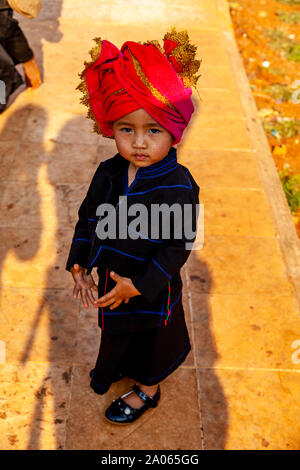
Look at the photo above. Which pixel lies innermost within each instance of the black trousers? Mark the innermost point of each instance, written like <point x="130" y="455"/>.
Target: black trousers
<point x="14" y="49"/>
<point x="147" y="356"/>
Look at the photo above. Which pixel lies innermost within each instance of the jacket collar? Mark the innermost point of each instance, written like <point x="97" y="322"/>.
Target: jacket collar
<point x="118" y="164"/>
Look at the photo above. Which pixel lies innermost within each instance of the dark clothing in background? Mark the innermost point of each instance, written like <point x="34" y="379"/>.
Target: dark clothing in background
<point x="14" y="49"/>
<point x="4" y="4"/>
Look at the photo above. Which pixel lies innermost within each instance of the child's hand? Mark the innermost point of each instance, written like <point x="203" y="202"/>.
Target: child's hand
<point x="32" y="73"/>
<point x="84" y="284"/>
<point x="122" y="291"/>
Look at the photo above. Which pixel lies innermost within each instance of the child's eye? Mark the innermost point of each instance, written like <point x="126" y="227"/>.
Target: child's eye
<point x="154" y="131"/>
<point x="125" y="129"/>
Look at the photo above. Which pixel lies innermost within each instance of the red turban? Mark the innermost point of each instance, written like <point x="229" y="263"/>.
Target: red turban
<point x="118" y="82"/>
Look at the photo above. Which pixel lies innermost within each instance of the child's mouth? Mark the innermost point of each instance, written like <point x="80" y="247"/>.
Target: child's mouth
<point x="139" y="156"/>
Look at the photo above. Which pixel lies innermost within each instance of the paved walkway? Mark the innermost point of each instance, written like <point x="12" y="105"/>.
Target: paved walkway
<point x="239" y="387"/>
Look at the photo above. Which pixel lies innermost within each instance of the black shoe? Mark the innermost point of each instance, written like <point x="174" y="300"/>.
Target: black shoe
<point x="120" y="412"/>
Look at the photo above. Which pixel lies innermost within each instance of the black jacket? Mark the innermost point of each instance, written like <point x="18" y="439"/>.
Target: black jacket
<point x="153" y="264"/>
<point x="12" y="38"/>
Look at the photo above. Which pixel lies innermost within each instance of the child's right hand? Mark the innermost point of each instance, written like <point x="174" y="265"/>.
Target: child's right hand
<point x="84" y="284"/>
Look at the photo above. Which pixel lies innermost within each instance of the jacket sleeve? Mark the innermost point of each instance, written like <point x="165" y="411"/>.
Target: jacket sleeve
<point x="80" y="246"/>
<point x="81" y="243"/>
<point x="168" y="260"/>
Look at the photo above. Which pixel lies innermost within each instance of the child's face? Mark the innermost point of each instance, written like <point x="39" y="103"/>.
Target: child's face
<point x="140" y="139"/>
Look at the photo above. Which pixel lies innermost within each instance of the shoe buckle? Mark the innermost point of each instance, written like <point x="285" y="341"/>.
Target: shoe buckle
<point x="126" y="394"/>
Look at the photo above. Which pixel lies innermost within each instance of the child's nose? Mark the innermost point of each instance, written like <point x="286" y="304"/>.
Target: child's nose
<point x="139" y="141"/>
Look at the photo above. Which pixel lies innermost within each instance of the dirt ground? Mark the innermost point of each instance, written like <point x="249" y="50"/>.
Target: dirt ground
<point x="268" y="37"/>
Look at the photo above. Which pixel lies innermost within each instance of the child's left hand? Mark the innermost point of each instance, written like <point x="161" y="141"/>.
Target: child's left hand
<point x="122" y="291"/>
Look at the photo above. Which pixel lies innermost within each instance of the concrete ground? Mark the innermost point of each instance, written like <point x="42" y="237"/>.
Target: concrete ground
<point x="239" y="386"/>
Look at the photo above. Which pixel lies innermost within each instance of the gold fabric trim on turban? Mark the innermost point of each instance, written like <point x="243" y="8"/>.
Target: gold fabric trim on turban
<point x="184" y="54"/>
<point x="148" y="84"/>
<point x="94" y="53"/>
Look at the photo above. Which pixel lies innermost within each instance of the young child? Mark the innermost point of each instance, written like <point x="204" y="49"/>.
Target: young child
<point x="140" y="96"/>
